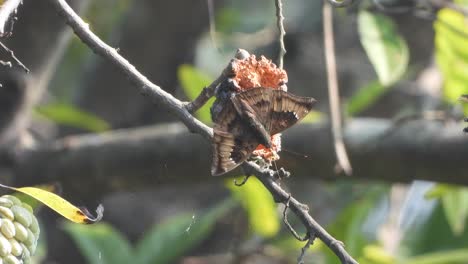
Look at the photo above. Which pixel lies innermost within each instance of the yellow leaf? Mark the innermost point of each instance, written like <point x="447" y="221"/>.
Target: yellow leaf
<point x="60" y="205"/>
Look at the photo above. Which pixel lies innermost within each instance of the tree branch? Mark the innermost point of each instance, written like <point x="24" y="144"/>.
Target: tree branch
<point x="282" y="32"/>
<point x="333" y="90"/>
<point x="417" y="149"/>
<point x="146" y="87"/>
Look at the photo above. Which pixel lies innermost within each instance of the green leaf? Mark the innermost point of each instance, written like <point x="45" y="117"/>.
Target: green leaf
<point x="443" y="257"/>
<point x="259" y="204"/>
<point x="455" y="203"/>
<point x="347" y="226"/>
<point x="386" y="49"/>
<point x="193" y="81"/>
<point x="451" y="30"/>
<point x="100" y="243"/>
<point x="66" y="114"/>
<point x="313" y="117"/>
<point x="169" y="240"/>
<point x="438" y="191"/>
<point x="375" y="254"/>
<point x="432" y="235"/>
<point x="365" y="97"/>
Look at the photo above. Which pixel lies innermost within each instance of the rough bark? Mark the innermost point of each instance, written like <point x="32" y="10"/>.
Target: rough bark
<point x="379" y="151"/>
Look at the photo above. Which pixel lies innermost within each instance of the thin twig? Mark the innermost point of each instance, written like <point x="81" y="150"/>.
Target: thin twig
<point x="333" y="92"/>
<point x="179" y="109"/>
<point x="280" y="195"/>
<point x="13" y="57"/>
<point x="238" y="184"/>
<point x="282" y="32"/>
<point x="300" y="259"/>
<point x="209" y="91"/>
<point x="289" y="226"/>
<point x="7" y="10"/>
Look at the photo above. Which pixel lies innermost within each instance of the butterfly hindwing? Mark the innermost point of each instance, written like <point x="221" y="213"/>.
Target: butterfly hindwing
<point x="233" y="141"/>
<point x="229" y="151"/>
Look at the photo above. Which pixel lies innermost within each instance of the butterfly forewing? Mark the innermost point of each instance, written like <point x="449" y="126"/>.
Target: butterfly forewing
<point x="277" y="110"/>
<point x="287" y="110"/>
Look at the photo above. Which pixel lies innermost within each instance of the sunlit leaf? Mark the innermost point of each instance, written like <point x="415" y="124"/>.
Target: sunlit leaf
<point x="437" y="191"/>
<point x="168" y="241"/>
<point x="59" y="205"/>
<point x="193" y="81"/>
<point x="386" y="49"/>
<point x="374" y="254"/>
<point x="66" y="114"/>
<point x="365" y="97"/>
<point x="101" y="243"/>
<point x="259" y="204"/>
<point x="455" y="203"/>
<point x="443" y="257"/>
<point x="53" y="188"/>
<point x="348" y="225"/>
<point x="313" y="117"/>
<point x="451" y="31"/>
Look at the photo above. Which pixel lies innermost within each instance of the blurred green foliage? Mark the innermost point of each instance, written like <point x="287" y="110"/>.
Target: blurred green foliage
<point x="364" y="97"/>
<point x="192" y="82"/>
<point x="164" y="243"/>
<point x="451" y="39"/>
<point x="386" y="49"/>
<point x="454" y="200"/>
<point x="67" y="114"/>
<point x="259" y="205"/>
<point x="388" y="53"/>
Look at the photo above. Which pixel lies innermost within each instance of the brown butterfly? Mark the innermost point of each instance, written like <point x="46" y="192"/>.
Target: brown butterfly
<point x="250" y="118"/>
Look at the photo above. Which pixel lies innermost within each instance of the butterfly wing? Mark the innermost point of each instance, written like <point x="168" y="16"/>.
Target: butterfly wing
<point x="233" y="141"/>
<point x="288" y="109"/>
<point x="275" y="109"/>
<point x="229" y="151"/>
<point x="249" y="117"/>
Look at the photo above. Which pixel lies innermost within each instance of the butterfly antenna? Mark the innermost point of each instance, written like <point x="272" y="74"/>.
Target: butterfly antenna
<point x="296" y="154"/>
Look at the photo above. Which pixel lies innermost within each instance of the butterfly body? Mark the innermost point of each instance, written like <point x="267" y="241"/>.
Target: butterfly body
<point x="249" y="118"/>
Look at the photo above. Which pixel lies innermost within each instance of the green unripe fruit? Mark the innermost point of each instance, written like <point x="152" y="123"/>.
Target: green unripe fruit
<point x="19" y="231"/>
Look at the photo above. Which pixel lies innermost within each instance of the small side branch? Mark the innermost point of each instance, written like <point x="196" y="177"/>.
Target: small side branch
<point x="7" y="13"/>
<point x="282" y="32"/>
<point x="13" y="57"/>
<point x="289" y="226"/>
<point x="333" y="92"/>
<point x="300" y="259"/>
<point x="209" y="91"/>
<point x="313" y="228"/>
